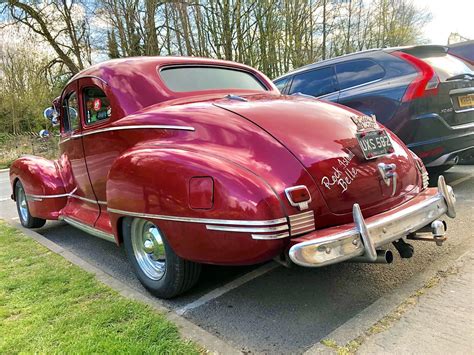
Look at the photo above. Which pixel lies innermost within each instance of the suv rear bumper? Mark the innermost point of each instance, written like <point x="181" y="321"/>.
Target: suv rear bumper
<point x="438" y="143"/>
<point x="340" y="243"/>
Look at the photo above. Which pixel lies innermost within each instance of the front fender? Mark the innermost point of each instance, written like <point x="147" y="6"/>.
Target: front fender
<point x="154" y="183"/>
<point x="43" y="185"/>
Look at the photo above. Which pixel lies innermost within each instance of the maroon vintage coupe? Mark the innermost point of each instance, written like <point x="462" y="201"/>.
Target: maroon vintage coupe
<point x="187" y="161"/>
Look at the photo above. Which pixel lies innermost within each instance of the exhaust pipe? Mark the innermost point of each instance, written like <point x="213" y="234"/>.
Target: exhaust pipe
<point x="383" y="257"/>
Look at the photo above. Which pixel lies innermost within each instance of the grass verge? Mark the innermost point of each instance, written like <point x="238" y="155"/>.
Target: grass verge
<point x="48" y="305"/>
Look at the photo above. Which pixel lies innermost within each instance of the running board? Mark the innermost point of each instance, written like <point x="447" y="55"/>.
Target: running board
<point x="88" y="229"/>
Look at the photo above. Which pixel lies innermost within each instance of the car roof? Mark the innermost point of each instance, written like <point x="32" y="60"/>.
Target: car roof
<point x="362" y="54"/>
<point x="147" y="66"/>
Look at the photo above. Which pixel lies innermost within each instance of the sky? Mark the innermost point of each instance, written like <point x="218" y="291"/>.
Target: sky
<point x="448" y="16"/>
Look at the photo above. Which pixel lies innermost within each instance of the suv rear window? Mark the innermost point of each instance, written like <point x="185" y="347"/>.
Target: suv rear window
<point x="186" y="79"/>
<point x="316" y="82"/>
<point x="446" y="65"/>
<point x="358" y="72"/>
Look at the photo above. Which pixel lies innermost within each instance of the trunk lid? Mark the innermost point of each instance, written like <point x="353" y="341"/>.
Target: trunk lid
<point x="455" y="99"/>
<point x="322" y="137"/>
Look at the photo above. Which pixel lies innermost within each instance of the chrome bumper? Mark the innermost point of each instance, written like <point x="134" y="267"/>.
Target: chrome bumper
<point x="338" y="244"/>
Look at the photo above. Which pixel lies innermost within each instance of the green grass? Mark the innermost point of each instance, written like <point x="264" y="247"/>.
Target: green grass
<point x="48" y="305"/>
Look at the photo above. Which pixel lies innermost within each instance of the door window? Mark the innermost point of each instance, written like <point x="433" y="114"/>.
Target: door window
<point x="97" y="105"/>
<point x="358" y="72"/>
<point x="281" y="83"/>
<point x="316" y="82"/>
<point x="71" y="113"/>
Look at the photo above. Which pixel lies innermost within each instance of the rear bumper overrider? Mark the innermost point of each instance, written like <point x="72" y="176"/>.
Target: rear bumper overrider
<point x="364" y="236"/>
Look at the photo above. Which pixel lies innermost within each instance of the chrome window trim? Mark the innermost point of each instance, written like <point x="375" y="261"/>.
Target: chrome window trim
<point x="200" y="220"/>
<point x="88" y="229"/>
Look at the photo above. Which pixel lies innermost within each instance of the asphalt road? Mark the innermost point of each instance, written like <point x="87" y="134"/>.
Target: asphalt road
<point x="279" y="310"/>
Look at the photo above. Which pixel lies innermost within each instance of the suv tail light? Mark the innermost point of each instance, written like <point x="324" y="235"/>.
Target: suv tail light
<point x="427" y="81"/>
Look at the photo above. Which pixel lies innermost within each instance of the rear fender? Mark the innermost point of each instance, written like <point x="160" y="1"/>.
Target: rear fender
<point x="43" y="185"/>
<point x="154" y="183"/>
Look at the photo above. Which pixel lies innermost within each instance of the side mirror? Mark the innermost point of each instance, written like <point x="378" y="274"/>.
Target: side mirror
<point x="51" y="114"/>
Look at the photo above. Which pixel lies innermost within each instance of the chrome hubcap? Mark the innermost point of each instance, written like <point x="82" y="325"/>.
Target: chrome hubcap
<point x="148" y="248"/>
<point x="22" y="205"/>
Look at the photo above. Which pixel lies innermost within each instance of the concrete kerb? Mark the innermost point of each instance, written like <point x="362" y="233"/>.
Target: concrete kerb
<point x="187" y="329"/>
<point x="357" y="325"/>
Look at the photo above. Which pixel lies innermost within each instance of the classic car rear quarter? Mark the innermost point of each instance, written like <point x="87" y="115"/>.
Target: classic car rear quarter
<point x="155" y="184"/>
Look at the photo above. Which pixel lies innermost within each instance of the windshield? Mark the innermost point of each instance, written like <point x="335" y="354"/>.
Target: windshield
<point x="185" y="79"/>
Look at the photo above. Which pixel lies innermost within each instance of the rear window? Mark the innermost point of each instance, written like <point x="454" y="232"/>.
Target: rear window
<point x="358" y="72"/>
<point x="446" y="65"/>
<point x="185" y="79"/>
<point x="316" y="82"/>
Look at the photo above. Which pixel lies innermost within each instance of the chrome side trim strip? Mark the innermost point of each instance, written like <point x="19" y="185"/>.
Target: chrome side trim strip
<point x="200" y="220"/>
<point x="83" y="199"/>
<point x="41" y="197"/>
<point x="89" y="200"/>
<point x="283" y="227"/>
<point x="88" y="229"/>
<point x="270" y="236"/>
<point x="120" y="128"/>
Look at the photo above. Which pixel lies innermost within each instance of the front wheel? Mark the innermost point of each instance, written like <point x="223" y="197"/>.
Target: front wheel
<point x="156" y="265"/>
<point x="26" y="219"/>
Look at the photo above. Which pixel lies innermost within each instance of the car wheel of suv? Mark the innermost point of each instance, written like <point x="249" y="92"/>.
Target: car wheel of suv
<point x="156" y="265"/>
<point x="26" y="219"/>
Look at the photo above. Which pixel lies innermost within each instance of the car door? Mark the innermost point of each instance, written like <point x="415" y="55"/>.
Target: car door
<point x="361" y="86"/>
<point x="101" y="147"/>
<point x="82" y="204"/>
<point x="320" y="83"/>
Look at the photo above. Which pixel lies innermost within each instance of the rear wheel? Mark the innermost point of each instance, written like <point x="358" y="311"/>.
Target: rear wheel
<point x="156" y="265"/>
<point x="26" y="219"/>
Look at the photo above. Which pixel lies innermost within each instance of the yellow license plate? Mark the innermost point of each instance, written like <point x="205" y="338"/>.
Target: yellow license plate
<point x="466" y="100"/>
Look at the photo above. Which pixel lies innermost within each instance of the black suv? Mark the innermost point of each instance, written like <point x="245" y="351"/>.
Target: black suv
<point x="422" y="93"/>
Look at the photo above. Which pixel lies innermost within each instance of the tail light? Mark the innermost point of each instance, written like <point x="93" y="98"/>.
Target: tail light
<point x="298" y="196"/>
<point x="427" y="81"/>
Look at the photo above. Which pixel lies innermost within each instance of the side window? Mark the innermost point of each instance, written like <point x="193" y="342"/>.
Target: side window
<point x="316" y="82"/>
<point x="358" y="72"/>
<point x="97" y="105"/>
<point x="71" y="113"/>
<point x="281" y="83"/>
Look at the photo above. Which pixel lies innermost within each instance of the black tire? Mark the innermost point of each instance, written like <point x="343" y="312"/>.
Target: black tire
<point x="26" y="219"/>
<point x="179" y="275"/>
